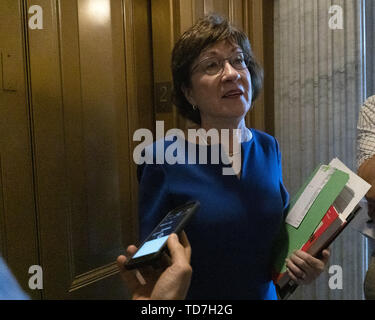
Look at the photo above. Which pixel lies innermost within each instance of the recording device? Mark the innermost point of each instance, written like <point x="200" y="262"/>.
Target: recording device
<point x="153" y="246"/>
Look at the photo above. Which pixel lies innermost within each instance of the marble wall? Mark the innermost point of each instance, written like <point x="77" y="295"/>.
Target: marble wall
<point x="319" y="88"/>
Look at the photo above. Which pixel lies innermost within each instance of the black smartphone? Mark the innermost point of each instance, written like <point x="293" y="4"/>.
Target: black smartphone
<point x="151" y="249"/>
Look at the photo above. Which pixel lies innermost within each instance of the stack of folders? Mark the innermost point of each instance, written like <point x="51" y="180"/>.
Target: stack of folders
<point x="319" y="212"/>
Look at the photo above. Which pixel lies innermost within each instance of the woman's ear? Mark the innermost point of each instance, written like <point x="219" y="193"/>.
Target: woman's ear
<point x="188" y="94"/>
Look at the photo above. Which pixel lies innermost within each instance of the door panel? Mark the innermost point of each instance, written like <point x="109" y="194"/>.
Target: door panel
<point x="82" y="150"/>
<point x="18" y="224"/>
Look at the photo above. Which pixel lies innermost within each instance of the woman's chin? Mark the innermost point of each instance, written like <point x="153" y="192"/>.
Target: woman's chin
<point x="236" y="110"/>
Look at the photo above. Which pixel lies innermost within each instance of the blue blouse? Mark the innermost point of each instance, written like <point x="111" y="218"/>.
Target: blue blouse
<point x="232" y="234"/>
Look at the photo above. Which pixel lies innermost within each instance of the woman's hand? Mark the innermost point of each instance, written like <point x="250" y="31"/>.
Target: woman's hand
<point x="303" y="268"/>
<point x="169" y="283"/>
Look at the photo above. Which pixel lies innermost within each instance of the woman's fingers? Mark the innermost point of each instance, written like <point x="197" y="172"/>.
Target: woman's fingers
<point x="326" y="253"/>
<point x="304" y="268"/>
<point x="314" y="265"/>
<point x="294" y="271"/>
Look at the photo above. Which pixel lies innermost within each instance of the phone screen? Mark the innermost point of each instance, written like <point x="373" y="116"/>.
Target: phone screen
<point x="159" y="237"/>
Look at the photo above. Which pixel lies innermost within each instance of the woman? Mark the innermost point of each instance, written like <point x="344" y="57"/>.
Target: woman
<point x="216" y="79"/>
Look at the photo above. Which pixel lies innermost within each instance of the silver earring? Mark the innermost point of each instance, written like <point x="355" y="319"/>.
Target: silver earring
<point x="195" y="107"/>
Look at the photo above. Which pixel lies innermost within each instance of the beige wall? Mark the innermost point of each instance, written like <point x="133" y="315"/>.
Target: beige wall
<point x="318" y="93"/>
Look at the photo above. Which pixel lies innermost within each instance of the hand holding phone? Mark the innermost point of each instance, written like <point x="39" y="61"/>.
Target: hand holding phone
<point x="170" y="283"/>
<point x="150" y="251"/>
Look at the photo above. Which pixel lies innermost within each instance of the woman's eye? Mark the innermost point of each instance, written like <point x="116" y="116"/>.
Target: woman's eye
<point x="212" y="64"/>
<point x="239" y="61"/>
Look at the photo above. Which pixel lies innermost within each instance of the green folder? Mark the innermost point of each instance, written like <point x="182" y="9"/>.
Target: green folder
<point x="291" y="238"/>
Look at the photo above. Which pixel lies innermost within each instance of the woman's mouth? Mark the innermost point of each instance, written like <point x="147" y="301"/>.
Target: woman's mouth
<point x="233" y="94"/>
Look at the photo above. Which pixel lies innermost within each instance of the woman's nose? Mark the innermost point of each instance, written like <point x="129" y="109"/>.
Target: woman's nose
<point x="229" y="72"/>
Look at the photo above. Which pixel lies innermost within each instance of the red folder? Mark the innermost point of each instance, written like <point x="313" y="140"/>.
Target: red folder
<point x="318" y="239"/>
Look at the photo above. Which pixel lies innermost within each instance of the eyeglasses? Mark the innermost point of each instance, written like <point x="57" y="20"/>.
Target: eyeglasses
<point x="213" y="66"/>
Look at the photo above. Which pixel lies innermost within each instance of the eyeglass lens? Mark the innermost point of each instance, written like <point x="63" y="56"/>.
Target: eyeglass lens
<point x="213" y="66"/>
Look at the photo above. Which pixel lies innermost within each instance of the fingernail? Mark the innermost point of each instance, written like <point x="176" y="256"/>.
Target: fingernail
<point x="173" y="236"/>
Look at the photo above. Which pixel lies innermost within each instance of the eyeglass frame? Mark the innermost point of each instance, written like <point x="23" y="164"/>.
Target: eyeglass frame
<point x="222" y="63"/>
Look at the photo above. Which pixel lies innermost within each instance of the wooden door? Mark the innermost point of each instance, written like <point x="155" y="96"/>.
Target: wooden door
<point x="79" y="117"/>
<point x="18" y="223"/>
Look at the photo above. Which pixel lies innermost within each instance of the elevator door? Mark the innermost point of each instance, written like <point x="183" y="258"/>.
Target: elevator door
<point x="67" y="193"/>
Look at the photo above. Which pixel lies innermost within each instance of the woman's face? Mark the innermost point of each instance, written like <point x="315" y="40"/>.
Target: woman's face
<point x="223" y="97"/>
